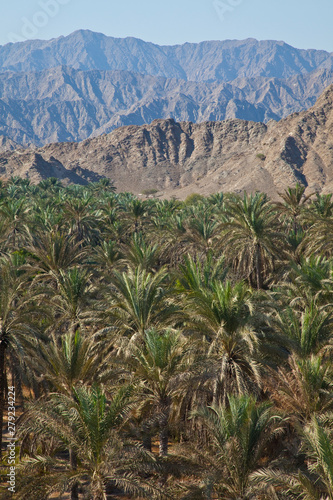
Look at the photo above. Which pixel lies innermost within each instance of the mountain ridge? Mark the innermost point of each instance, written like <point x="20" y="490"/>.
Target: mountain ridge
<point x="87" y="84"/>
<point x="64" y="104"/>
<point x="217" y="60"/>
<point x="180" y="158"/>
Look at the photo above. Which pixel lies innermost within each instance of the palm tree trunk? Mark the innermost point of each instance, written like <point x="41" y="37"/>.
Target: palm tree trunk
<point x="295" y="223"/>
<point x="2" y="388"/>
<point x="258" y="267"/>
<point x="164" y="430"/>
<point x="146" y="440"/>
<point x="73" y="463"/>
<point x="164" y="435"/>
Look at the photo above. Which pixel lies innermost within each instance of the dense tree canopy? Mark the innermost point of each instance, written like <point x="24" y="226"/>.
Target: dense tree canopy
<point x="166" y="349"/>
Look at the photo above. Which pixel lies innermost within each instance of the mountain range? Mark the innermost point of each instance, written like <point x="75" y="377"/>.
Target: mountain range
<point x="176" y="159"/>
<point x="87" y="84"/>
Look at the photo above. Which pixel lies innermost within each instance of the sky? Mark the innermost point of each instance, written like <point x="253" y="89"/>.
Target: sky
<point x="304" y="24"/>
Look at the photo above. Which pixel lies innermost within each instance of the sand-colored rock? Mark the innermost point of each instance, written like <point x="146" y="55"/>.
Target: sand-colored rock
<point x="179" y="158"/>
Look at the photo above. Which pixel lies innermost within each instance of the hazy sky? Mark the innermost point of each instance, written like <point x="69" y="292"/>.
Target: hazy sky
<point x="301" y="23"/>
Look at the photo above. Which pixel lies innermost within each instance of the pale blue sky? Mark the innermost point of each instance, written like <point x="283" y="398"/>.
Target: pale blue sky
<point x="301" y="23"/>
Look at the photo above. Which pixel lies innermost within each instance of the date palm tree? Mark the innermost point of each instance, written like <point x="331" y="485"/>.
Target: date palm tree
<point x="196" y="274"/>
<point x="136" y="215"/>
<point x="15" y="215"/>
<point x="202" y="229"/>
<point x="82" y="219"/>
<point x="294" y="204"/>
<point x="140" y="300"/>
<point x="222" y="316"/>
<point x="51" y="185"/>
<point x="239" y="436"/>
<point x="108" y="256"/>
<point x="142" y="254"/>
<point x="321" y="206"/>
<point x="89" y="425"/>
<point x="161" y="370"/>
<point x="309" y="281"/>
<point x="72" y="301"/>
<point x="251" y="238"/>
<point x="303" y="388"/>
<point x="305" y="333"/>
<point x="68" y="361"/>
<point x="319" y="240"/>
<point x="52" y="252"/>
<point x="17" y="326"/>
<point x="315" y="482"/>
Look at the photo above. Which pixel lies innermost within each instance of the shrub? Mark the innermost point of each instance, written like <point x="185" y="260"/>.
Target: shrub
<point x="147" y="192"/>
<point x="261" y="156"/>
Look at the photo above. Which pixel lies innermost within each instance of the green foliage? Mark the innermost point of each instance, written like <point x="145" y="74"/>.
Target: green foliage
<point x="261" y="156"/>
<point x="150" y="191"/>
<point x="121" y="317"/>
<point x="193" y="198"/>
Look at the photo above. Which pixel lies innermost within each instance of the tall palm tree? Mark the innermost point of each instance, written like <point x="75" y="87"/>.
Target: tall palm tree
<point x="294" y="204"/>
<point x="108" y="256"/>
<point x="45" y="216"/>
<point x="222" y="316"/>
<point x="161" y="369"/>
<point x="251" y="237"/>
<point x="305" y="333"/>
<point x="17" y="325"/>
<point x="135" y="215"/>
<point x="72" y="300"/>
<point x="15" y="214"/>
<point x="196" y="275"/>
<point x="82" y="219"/>
<point x="51" y="185"/>
<point x="89" y="425"/>
<point x="102" y="186"/>
<point x="68" y="361"/>
<point x="303" y="388"/>
<point x="309" y="281"/>
<point x="202" y="229"/>
<point x="319" y="240"/>
<point x="239" y="437"/>
<point x="321" y="206"/>
<point x="52" y="252"/>
<point x="175" y="237"/>
<point x="313" y="483"/>
<point x="142" y="254"/>
<point x="141" y="300"/>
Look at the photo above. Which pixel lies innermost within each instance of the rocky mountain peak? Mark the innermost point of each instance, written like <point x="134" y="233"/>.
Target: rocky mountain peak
<point x="177" y="158"/>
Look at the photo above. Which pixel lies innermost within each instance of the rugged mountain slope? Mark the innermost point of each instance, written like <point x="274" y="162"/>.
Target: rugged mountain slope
<point x="211" y="60"/>
<point x="80" y="86"/>
<point x="7" y="144"/>
<point x="63" y="104"/>
<point x="179" y="158"/>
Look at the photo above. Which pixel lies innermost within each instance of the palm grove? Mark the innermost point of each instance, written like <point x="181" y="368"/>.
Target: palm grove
<point x="166" y="349"/>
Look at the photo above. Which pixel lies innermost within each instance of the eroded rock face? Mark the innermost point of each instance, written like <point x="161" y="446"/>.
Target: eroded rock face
<point x="63" y="104"/>
<point x="80" y="86"/>
<point x="7" y="144"/>
<point x="179" y="158"/>
<point x="205" y="61"/>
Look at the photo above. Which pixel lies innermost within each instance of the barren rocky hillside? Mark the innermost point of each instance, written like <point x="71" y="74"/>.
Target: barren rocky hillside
<point x="179" y="158"/>
<point x="80" y="86"/>
<point x="205" y="61"/>
<point x="63" y="104"/>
